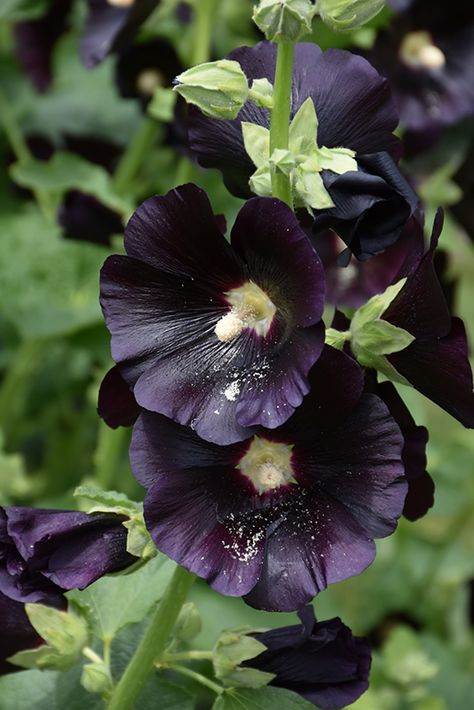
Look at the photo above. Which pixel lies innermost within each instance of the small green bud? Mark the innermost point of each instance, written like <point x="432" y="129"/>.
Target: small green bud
<point x="95" y="678"/>
<point x="189" y="623"/>
<point x="65" y="634"/>
<point x="284" y="19"/>
<point x="219" y="89"/>
<point x="348" y="15"/>
<point x="231" y="649"/>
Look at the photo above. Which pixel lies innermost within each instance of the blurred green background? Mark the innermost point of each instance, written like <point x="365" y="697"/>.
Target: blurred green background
<point x="416" y="600"/>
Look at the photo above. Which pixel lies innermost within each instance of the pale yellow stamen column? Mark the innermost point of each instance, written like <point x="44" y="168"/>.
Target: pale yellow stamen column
<point x="250" y="307"/>
<point x="267" y="464"/>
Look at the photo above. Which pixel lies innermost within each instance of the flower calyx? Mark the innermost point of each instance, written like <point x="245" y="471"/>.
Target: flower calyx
<point x="284" y="20"/>
<point x="233" y="648"/>
<point x="303" y="162"/>
<point x="348" y="15"/>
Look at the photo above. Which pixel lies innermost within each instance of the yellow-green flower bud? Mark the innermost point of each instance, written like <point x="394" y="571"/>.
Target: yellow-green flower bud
<point x="219" y="89"/>
<point x="348" y="15"/>
<point x="284" y="19"/>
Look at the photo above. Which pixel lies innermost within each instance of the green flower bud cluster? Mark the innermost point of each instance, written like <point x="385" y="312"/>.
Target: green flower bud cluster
<point x="284" y="20"/>
<point x="372" y="338"/>
<point x="348" y="15"/>
<point x="303" y="162"/>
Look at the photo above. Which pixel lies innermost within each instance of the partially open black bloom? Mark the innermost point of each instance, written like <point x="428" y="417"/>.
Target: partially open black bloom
<point x="218" y="337"/>
<point x="84" y="218"/>
<point x="35" y="41"/>
<point x="110" y="26"/>
<point x="17" y="632"/>
<point x="290" y="510"/>
<point x="354" y="284"/>
<point x="420" y="496"/>
<point x="116" y="404"/>
<point x="142" y="68"/>
<point x="436" y="363"/>
<point x="354" y="111"/>
<point x="428" y="55"/>
<point x="45" y="552"/>
<point x="321" y="661"/>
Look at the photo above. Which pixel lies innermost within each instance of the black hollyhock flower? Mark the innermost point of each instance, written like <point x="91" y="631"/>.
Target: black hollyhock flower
<point x="17" y="632"/>
<point x="218" y="337"/>
<point x="436" y="363"/>
<point x="354" y="284"/>
<point x="144" y="67"/>
<point x="44" y="552"/>
<point x="111" y="25"/>
<point x="428" y="55"/>
<point x="420" y="496"/>
<point x="321" y="661"/>
<point x="283" y="514"/>
<point x="35" y="41"/>
<point x="84" y="218"/>
<point x="354" y="110"/>
<point x="117" y="405"/>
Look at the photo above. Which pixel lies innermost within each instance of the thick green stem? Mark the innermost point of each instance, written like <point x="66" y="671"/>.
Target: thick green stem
<point x="135" y="154"/>
<point x="188" y="656"/>
<point x="280" y="117"/>
<point x="205" y="12"/>
<point x="153" y="643"/>
<point x="22" y="153"/>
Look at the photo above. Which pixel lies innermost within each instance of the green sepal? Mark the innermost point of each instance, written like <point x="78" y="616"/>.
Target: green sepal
<point x="65" y="634"/>
<point x="96" y="678"/>
<point x="337" y="338"/>
<point x="282" y="160"/>
<point x="139" y="542"/>
<point x="257" y="143"/>
<point x="261" y="93"/>
<point x="219" y="89"/>
<point x="162" y="104"/>
<point x="381" y="338"/>
<point x="284" y="20"/>
<point x="348" y="15"/>
<point x="231" y="649"/>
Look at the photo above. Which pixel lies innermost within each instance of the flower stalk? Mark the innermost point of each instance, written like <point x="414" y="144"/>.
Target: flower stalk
<point x="153" y="643"/>
<point x="280" y="117"/>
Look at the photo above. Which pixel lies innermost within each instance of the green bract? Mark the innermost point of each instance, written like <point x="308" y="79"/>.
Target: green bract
<point x="348" y="15"/>
<point x="65" y="633"/>
<point x="302" y="162"/>
<point x="284" y="19"/>
<point x="231" y="649"/>
<point x="219" y="89"/>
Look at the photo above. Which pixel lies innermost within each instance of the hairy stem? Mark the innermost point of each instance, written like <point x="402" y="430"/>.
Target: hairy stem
<point x="280" y="117"/>
<point x="153" y="643"/>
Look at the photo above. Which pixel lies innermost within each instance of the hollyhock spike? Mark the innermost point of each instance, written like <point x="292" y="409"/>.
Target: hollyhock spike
<point x="218" y="337"/>
<point x="44" y="552"/>
<point x="321" y="661"/>
<point x="277" y="517"/>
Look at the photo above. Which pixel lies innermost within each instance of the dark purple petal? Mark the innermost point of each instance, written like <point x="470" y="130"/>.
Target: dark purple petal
<point x="323" y="661"/>
<point x="439" y="368"/>
<point x="17" y="632"/>
<point x="372" y="205"/>
<point x="352" y="102"/>
<point x="71" y="549"/>
<point x="109" y="28"/>
<point x="420" y="496"/>
<point x="35" y="41"/>
<point x="84" y="218"/>
<point x="116" y="404"/>
<point x="420" y="307"/>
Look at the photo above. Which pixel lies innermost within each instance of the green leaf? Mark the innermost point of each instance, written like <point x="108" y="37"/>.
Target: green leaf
<point x="18" y="10"/>
<point x="381" y="338"/>
<point x="107" y="501"/>
<point x="45" y="690"/>
<point x="267" y="698"/>
<point x="49" y="284"/>
<point x="113" y="602"/>
<point x="67" y="171"/>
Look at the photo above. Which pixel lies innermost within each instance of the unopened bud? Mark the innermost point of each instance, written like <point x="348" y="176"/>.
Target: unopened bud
<point x="219" y="89"/>
<point x="95" y="678"/>
<point x="189" y="623"/>
<point x="284" y="19"/>
<point x="348" y="15"/>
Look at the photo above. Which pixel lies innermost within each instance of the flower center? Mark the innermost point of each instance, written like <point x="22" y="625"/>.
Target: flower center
<point x="250" y="307"/>
<point x="148" y="80"/>
<point x="121" y="3"/>
<point x="267" y="464"/>
<point x="418" y="51"/>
